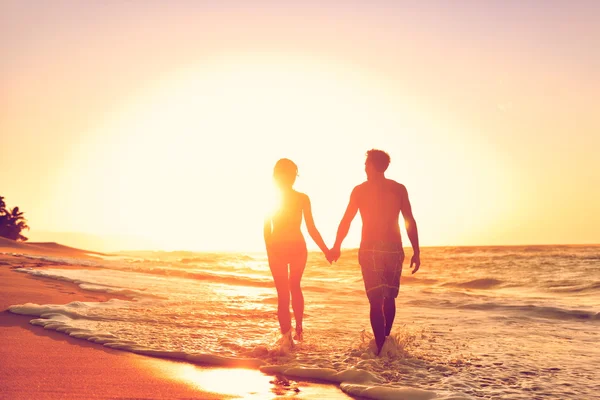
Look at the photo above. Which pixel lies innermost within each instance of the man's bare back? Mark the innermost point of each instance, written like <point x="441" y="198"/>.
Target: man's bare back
<point x="381" y="255"/>
<point x="380" y="203"/>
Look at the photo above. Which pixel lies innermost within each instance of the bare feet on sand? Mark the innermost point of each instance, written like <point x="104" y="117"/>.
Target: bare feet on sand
<point x="298" y="336"/>
<point x="286" y="342"/>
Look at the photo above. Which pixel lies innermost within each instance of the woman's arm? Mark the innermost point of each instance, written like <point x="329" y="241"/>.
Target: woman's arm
<point x="267" y="232"/>
<point x="344" y="226"/>
<point x="312" y="229"/>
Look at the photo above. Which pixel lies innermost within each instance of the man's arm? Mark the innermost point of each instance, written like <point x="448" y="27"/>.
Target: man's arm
<point x="344" y="227"/>
<point x="411" y="229"/>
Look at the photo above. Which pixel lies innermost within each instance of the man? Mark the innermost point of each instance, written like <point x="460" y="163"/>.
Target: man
<point x="380" y="201"/>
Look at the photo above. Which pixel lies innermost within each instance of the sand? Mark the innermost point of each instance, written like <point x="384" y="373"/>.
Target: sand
<point x="42" y="364"/>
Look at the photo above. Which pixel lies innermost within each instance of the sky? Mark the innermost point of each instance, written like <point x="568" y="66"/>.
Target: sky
<point x="158" y="124"/>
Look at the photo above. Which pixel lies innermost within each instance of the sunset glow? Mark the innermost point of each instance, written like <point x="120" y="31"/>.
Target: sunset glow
<point x="165" y="122"/>
<point x="295" y="199"/>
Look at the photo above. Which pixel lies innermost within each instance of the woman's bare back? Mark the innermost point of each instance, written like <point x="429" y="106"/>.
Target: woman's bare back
<point x="287" y="219"/>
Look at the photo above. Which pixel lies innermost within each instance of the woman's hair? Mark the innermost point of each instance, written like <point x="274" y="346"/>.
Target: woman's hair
<point x="285" y="172"/>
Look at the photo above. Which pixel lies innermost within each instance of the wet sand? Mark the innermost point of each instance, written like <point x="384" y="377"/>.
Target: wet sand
<point x="43" y="364"/>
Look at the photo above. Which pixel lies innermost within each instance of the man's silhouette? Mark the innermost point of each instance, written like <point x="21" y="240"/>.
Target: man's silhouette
<point x="380" y="201"/>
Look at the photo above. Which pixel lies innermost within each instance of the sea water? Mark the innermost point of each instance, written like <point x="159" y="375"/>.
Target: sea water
<point x="474" y="322"/>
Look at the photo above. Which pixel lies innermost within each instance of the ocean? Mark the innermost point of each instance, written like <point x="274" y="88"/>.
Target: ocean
<point x="475" y="322"/>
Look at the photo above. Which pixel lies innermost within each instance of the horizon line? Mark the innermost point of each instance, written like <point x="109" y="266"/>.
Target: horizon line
<point x="310" y="250"/>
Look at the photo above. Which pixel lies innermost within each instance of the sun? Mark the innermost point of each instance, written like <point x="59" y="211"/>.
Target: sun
<point x="188" y="162"/>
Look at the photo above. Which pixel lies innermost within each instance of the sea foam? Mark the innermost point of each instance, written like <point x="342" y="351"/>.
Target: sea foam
<point x="354" y="381"/>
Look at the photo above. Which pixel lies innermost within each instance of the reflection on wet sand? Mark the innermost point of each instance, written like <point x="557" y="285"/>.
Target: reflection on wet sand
<point x="241" y="383"/>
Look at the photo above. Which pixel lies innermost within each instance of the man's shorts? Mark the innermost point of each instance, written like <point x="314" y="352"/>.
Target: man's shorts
<point x="381" y="265"/>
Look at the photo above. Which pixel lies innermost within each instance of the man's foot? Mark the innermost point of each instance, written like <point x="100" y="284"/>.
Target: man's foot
<point x="372" y="347"/>
<point x="379" y="347"/>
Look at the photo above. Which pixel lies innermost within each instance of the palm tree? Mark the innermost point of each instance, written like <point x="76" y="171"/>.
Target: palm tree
<point x="18" y="224"/>
<point x="12" y="222"/>
<point x="3" y="215"/>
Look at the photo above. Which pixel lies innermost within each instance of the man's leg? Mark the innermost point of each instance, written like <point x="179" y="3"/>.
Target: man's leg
<point x="370" y="264"/>
<point x="377" y="320"/>
<point x="393" y="271"/>
<point x="389" y="311"/>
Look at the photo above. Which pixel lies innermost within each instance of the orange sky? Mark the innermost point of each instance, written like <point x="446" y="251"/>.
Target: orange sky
<point x="164" y="121"/>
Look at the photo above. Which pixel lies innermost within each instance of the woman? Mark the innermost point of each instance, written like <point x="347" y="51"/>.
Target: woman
<point x="286" y="246"/>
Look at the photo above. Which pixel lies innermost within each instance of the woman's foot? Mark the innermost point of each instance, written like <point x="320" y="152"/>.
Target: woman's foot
<point x="298" y="335"/>
<point x="286" y="342"/>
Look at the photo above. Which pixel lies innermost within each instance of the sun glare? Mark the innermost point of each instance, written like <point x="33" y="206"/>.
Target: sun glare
<point x="237" y="382"/>
<point x="247" y="383"/>
<point x="229" y="382"/>
<point x="204" y="142"/>
<point x="273" y="202"/>
<point x="187" y="163"/>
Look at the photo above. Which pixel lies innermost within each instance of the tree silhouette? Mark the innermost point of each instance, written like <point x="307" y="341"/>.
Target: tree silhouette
<point x="12" y="222"/>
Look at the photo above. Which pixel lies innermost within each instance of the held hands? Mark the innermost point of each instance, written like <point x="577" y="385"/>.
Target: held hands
<point x="328" y="257"/>
<point x="332" y="255"/>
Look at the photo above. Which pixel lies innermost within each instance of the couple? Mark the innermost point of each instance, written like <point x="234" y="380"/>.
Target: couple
<point x="380" y="201"/>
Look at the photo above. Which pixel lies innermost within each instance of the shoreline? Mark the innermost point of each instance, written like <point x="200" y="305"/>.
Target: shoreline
<point x="46" y="364"/>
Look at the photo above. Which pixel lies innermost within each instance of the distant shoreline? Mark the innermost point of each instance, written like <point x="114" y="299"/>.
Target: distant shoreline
<point x="54" y="248"/>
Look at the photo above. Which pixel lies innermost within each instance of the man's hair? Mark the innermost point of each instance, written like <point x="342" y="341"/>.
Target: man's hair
<point x="379" y="158"/>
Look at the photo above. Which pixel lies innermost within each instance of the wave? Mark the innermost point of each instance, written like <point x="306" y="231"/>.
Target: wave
<point x="60" y="318"/>
<point x="90" y="286"/>
<point x="63" y="260"/>
<point x="201" y="260"/>
<point x="224" y="278"/>
<point x="212" y="258"/>
<point x="361" y="383"/>
<point x="483" y="283"/>
<point x="253" y="280"/>
<point x="537" y="311"/>
<point x="416" y="280"/>
<point x="590" y="287"/>
<point x="240" y="280"/>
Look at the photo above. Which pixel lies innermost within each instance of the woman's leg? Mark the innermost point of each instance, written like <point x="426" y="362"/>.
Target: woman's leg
<point x="296" y="270"/>
<point x="279" y="270"/>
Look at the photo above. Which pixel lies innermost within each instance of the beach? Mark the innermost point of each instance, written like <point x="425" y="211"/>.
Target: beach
<point x="44" y="364"/>
<point x="476" y="323"/>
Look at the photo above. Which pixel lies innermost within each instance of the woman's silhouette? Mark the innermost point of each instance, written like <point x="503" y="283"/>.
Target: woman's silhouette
<point x="286" y="246"/>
